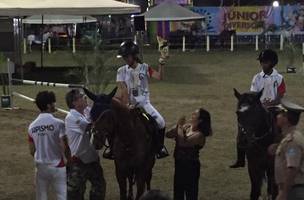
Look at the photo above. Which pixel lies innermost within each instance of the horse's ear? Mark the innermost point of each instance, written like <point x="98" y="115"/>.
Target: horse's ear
<point x="236" y="93"/>
<point x="92" y="96"/>
<point x="111" y="95"/>
<point x="259" y="95"/>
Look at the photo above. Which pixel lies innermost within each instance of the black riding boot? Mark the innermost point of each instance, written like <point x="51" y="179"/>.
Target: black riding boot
<point x="162" y="150"/>
<point x="108" y="153"/>
<point x="241" y="154"/>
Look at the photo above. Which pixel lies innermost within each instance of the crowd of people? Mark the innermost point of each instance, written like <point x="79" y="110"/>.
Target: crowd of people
<point x="66" y="158"/>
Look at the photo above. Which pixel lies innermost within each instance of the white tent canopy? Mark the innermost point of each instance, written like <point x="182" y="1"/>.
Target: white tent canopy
<point x="66" y="7"/>
<point x="58" y="19"/>
<point x="170" y="11"/>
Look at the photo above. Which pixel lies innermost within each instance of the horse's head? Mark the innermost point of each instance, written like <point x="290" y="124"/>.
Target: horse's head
<point x="249" y="108"/>
<point x="101" y="116"/>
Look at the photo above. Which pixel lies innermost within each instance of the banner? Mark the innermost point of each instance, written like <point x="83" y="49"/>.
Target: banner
<point x="246" y="20"/>
<point x="250" y="20"/>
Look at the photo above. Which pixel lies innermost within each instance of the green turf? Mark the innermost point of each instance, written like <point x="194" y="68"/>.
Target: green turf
<point x="192" y="80"/>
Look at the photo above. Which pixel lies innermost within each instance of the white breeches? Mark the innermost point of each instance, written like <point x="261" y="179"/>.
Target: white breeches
<point x="47" y="176"/>
<point x="155" y="114"/>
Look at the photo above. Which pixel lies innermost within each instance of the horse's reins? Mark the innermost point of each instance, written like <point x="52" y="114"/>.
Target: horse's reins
<point x="93" y="130"/>
<point x="255" y="139"/>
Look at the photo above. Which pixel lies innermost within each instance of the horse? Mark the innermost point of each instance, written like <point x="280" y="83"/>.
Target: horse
<point x="133" y="142"/>
<point x="258" y="131"/>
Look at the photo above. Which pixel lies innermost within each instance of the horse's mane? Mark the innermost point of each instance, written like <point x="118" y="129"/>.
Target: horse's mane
<point x="119" y="107"/>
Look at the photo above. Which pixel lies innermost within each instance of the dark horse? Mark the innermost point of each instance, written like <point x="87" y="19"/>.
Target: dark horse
<point x="256" y="134"/>
<point x="132" y="136"/>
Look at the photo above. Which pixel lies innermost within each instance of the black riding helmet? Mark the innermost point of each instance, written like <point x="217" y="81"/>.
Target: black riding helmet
<point x="268" y="55"/>
<point x="128" y="48"/>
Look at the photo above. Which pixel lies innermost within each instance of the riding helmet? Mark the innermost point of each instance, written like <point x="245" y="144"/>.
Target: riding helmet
<point x="269" y="55"/>
<point x="128" y="48"/>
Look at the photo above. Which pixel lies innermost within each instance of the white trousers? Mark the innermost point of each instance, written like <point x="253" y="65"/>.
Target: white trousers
<point x="155" y="114"/>
<point x="47" y="176"/>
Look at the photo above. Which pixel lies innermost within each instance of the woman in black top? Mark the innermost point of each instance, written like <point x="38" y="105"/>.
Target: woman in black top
<point x="190" y="139"/>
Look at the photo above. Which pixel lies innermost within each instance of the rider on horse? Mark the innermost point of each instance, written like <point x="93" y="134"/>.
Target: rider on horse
<point x="133" y="80"/>
<point x="273" y="86"/>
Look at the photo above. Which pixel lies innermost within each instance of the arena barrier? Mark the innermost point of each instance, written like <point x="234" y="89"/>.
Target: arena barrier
<point x="33" y="100"/>
<point x="50" y="84"/>
<point x="11" y="81"/>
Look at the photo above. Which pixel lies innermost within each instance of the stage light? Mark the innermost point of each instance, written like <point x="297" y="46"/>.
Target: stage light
<point x="275" y="4"/>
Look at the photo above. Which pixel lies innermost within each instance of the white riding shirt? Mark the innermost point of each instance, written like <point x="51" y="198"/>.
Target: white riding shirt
<point x="137" y="82"/>
<point x="79" y="140"/>
<point x="272" y="84"/>
<point x="45" y="132"/>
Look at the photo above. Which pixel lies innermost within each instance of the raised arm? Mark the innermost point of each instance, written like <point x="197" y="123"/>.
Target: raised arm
<point x="122" y="93"/>
<point x="158" y="74"/>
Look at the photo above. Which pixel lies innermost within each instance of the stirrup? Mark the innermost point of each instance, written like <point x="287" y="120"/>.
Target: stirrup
<point x="162" y="153"/>
<point x="108" y="154"/>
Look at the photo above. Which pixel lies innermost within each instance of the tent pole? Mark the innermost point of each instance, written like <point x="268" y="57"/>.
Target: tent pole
<point x="41" y="58"/>
<point x="17" y="42"/>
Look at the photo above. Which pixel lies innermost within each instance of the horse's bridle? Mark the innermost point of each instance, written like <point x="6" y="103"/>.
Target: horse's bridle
<point x="93" y="129"/>
<point x="253" y="138"/>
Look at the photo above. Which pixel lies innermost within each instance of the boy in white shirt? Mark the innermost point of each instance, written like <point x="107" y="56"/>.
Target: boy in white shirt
<point x="48" y="144"/>
<point x="272" y="83"/>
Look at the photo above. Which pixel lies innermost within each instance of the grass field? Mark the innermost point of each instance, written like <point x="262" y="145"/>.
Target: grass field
<point x="192" y="80"/>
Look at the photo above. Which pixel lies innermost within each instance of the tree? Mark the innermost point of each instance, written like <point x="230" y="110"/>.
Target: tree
<point x="96" y="75"/>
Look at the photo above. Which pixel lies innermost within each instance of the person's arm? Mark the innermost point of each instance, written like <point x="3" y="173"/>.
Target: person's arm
<point x="173" y="132"/>
<point x="272" y="149"/>
<point x="280" y="94"/>
<point x="293" y="157"/>
<point x="196" y="138"/>
<point x="289" y="181"/>
<point x="254" y="84"/>
<point x="32" y="147"/>
<point x="122" y="93"/>
<point x="157" y="74"/>
<point x="65" y="147"/>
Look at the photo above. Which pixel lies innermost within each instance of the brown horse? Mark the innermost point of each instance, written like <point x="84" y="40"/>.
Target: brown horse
<point x="132" y="136"/>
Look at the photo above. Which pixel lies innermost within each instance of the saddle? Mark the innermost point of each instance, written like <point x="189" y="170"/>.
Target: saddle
<point x="150" y="124"/>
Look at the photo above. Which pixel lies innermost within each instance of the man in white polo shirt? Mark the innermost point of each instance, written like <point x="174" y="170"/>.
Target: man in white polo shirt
<point x="84" y="165"/>
<point x="48" y="144"/>
<point x="272" y="83"/>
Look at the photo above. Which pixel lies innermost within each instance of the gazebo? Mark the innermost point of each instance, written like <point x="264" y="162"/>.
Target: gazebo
<point x="18" y="9"/>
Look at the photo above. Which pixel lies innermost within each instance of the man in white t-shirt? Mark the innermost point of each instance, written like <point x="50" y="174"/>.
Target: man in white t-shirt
<point x="48" y="144"/>
<point x="133" y="83"/>
<point x="84" y="165"/>
<point x="273" y="86"/>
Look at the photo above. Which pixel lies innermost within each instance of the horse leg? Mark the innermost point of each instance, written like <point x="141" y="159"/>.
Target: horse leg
<point x="130" y="193"/>
<point x="256" y="174"/>
<point x="148" y="181"/>
<point x="140" y="184"/>
<point x="122" y="182"/>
